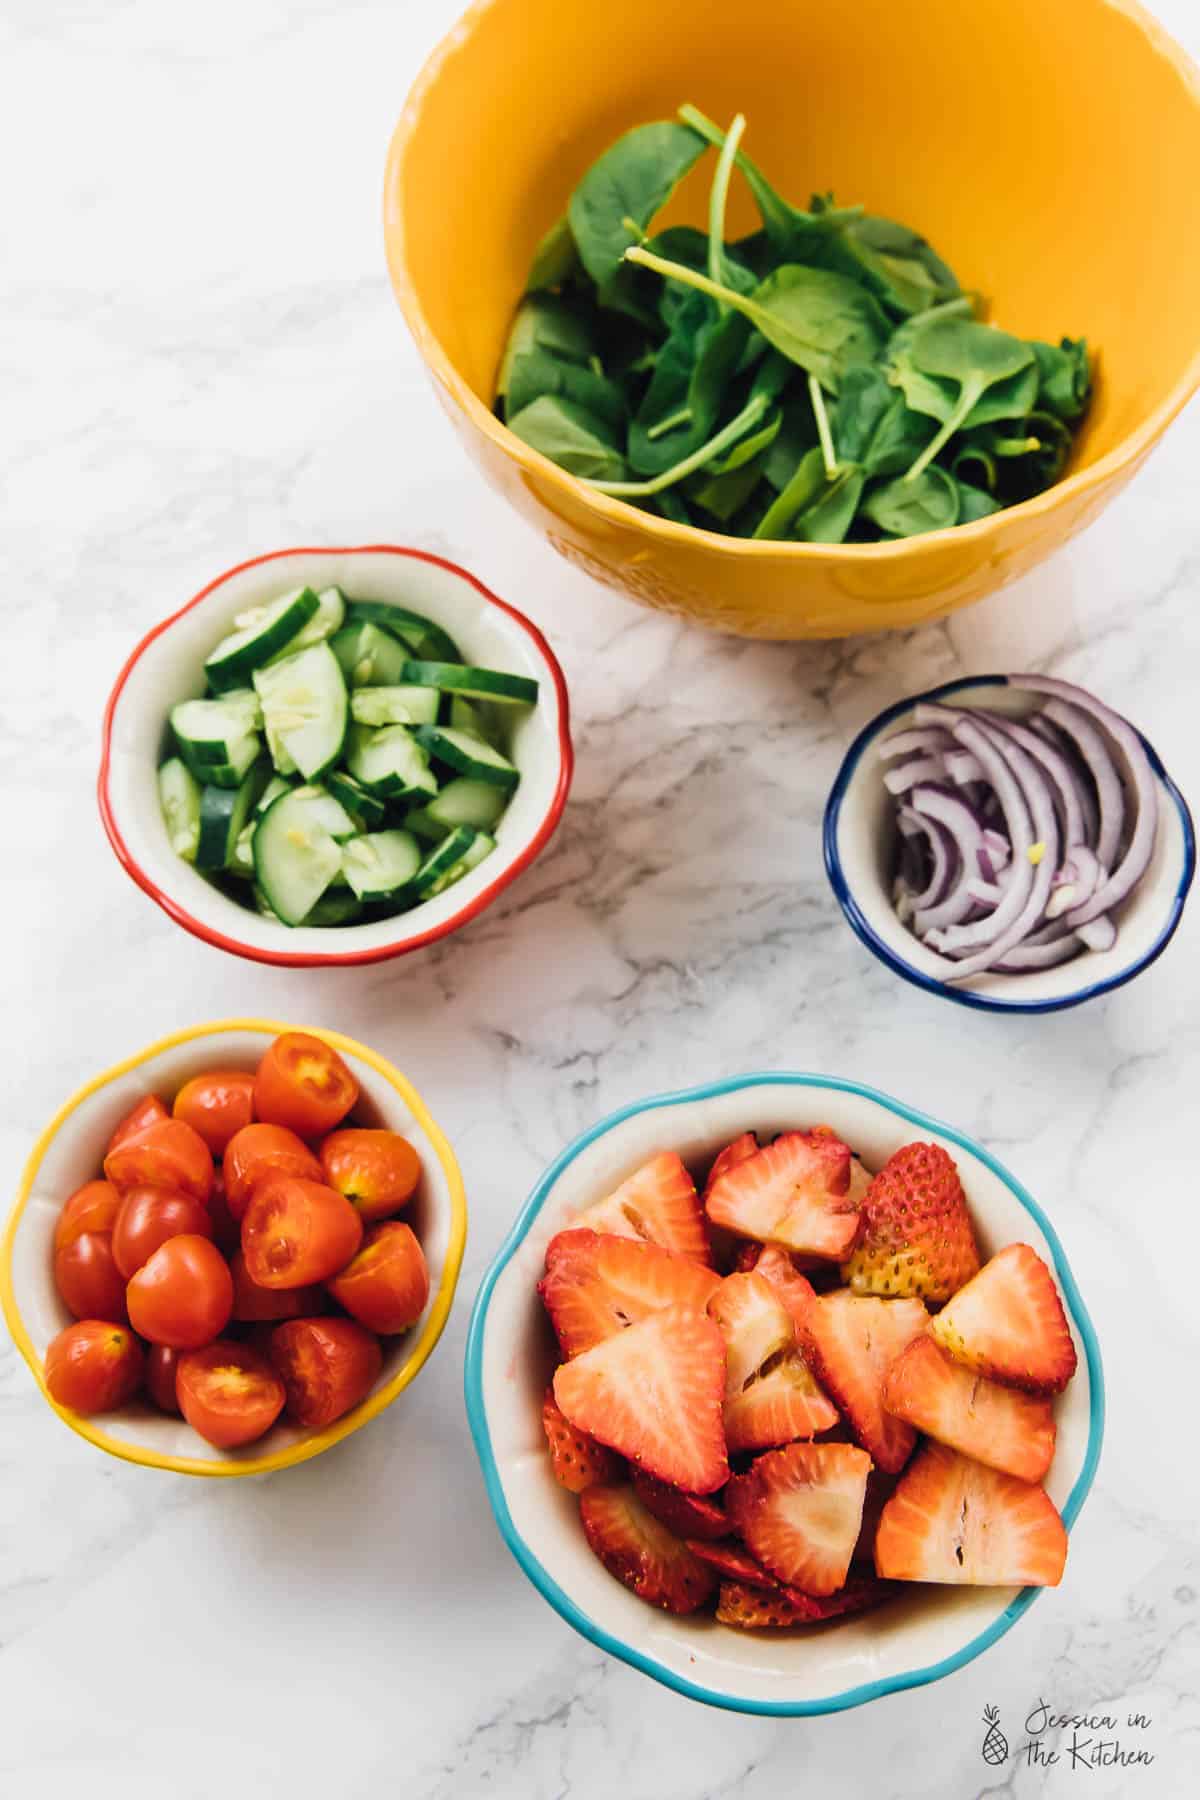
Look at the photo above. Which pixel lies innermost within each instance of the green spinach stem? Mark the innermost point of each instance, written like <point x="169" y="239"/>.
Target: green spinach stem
<point x="724" y="439"/>
<point x="719" y="197"/>
<point x="828" y="453"/>
<point x="672" y="420"/>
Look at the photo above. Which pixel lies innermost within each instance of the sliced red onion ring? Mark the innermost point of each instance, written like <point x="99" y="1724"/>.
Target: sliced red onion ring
<point x="1077" y="880"/>
<point x="1097" y="934"/>
<point x="933" y="740"/>
<point x="1027" y="956"/>
<point x="942" y="855"/>
<point x="1062" y="777"/>
<point x="962" y="767"/>
<point x="906" y="775"/>
<point x="952" y="812"/>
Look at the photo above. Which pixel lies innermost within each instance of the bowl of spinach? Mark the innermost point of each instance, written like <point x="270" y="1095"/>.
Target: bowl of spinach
<point x="776" y="411"/>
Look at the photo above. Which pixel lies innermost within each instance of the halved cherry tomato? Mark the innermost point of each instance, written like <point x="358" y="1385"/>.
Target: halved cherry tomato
<point x="327" y="1366"/>
<point x="229" y="1393"/>
<point x="161" y="1364"/>
<point x="216" y="1105"/>
<point x="296" y="1232"/>
<point x="93" y="1207"/>
<point x="88" y="1279"/>
<point x="252" y="1304"/>
<point x="227" y="1232"/>
<point x="303" y="1084"/>
<point x="386" y="1285"/>
<point x="168" y="1154"/>
<point x="147" y="1112"/>
<point x="378" y="1171"/>
<point x="258" y="1150"/>
<point x="183" y="1295"/>
<point x="148" y="1217"/>
<point x="94" y="1366"/>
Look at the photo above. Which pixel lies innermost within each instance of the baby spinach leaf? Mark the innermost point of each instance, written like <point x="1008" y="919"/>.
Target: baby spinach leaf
<point x="670" y="504"/>
<point x="790" y="229"/>
<point x="974" y="463"/>
<point x="544" y="322"/>
<point x="797" y="435"/>
<point x="974" y="504"/>
<point x="828" y="518"/>
<point x="1009" y="399"/>
<point x="539" y="372"/>
<point x="873" y="426"/>
<point x="911" y="505"/>
<point x="974" y="357"/>
<point x="749" y="448"/>
<point x="750" y="416"/>
<point x="725" y="494"/>
<point x="806" y="482"/>
<point x="633" y="180"/>
<point x="555" y="260"/>
<point x="683" y="401"/>
<point x="1064" y="377"/>
<point x="902" y="268"/>
<point x="576" y="440"/>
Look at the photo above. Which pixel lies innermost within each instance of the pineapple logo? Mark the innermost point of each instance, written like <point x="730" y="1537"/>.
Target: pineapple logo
<point x="995" y="1744"/>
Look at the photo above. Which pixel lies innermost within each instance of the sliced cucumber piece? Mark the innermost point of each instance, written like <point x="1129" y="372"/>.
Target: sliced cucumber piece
<point x="276" y="786"/>
<point x="475" y="683"/>
<point x="390" y="761"/>
<point x="483" y="845"/>
<point x="477" y="717"/>
<point x="368" y="656"/>
<point x="328" y="618"/>
<point x="367" y="810"/>
<point x="241" y="863"/>
<point x="296" y="856"/>
<point x="179" y="797"/>
<point x="394" y="705"/>
<point x="328" y="811"/>
<point x="337" y="906"/>
<point x="420" y="634"/>
<point x="418" y="821"/>
<point x="466" y="802"/>
<point x="237" y="656"/>
<point x="243" y="753"/>
<point x="468" y="755"/>
<point x="208" y="730"/>
<point x="380" y="863"/>
<point x="437" y="871"/>
<point x="223" y="816"/>
<point x="305" y="709"/>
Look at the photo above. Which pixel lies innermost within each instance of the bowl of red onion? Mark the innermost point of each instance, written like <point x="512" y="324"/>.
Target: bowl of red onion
<point x="1009" y="842"/>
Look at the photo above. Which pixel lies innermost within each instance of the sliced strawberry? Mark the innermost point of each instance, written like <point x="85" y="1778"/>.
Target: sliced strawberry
<point x="658" y="1204"/>
<point x="752" y="1610"/>
<point x="654" y="1393"/>
<point x="729" y="1158"/>
<point x="916" y="1233"/>
<point x="734" y="1562"/>
<point x="996" y="1425"/>
<point x="852" y="1341"/>
<point x="794" y="1193"/>
<point x="687" y="1515"/>
<point x="799" y="1510"/>
<point x="954" y="1520"/>
<point x="880" y="1488"/>
<point x="641" y="1552"/>
<point x="577" y="1460"/>
<point x="596" y="1285"/>
<point x="1009" y="1324"/>
<point x="755" y="1324"/>
<point x="794" y="1289"/>
<point x="771" y="1395"/>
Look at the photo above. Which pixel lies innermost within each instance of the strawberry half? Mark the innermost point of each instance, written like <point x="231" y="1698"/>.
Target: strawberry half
<point x="641" y="1552"/>
<point x="996" y="1425"/>
<point x="729" y="1158"/>
<point x="654" y="1393"/>
<point x="852" y="1341"/>
<point x="771" y="1396"/>
<point x="733" y="1562"/>
<point x="1009" y="1324"/>
<point x="596" y="1285"/>
<point x="916" y="1232"/>
<point x="794" y="1289"/>
<point x="794" y="1193"/>
<point x="799" y="1510"/>
<point x="687" y="1515"/>
<point x="658" y="1204"/>
<point x="953" y="1520"/>
<point x="753" y="1610"/>
<point x="577" y="1460"/>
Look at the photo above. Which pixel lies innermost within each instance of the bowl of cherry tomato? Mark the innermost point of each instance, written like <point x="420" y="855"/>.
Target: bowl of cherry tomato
<point x="234" y="1248"/>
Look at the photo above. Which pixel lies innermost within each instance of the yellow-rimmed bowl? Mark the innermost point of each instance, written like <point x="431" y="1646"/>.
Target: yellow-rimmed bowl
<point x="69" y="1152"/>
<point x="1048" y="150"/>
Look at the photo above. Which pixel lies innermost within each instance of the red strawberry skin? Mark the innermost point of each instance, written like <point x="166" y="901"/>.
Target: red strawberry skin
<point x="641" y="1552"/>
<point x="916" y="1236"/>
<point x="955" y="1521"/>
<point x="996" y="1425"/>
<point x="596" y="1284"/>
<point x="751" y="1609"/>
<point x="654" y="1393"/>
<point x="795" y="1192"/>
<point x="799" y="1511"/>
<point x="687" y="1515"/>
<point x="577" y="1460"/>
<point x="1008" y="1323"/>
<point x="733" y="1561"/>
<point x="778" y="1266"/>
<point x="729" y="1158"/>
<point x="657" y="1204"/>
<point x="853" y="1339"/>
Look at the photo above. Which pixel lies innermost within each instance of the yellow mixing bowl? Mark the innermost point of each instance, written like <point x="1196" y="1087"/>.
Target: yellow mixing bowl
<point x="1050" y="151"/>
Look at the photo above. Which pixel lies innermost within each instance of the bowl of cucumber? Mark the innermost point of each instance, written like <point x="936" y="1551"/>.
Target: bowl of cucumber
<point x="334" y="756"/>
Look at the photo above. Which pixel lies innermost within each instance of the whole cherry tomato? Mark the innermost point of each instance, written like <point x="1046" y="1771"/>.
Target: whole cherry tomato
<point x="183" y="1295"/>
<point x="229" y="1393"/>
<point x="148" y="1217"/>
<point x="386" y="1285"/>
<point x="378" y="1171"/>
<point x="297" y="1232"/>
<point x="252" y="1304"/>
<point x="227" y="1232"/>
<point x="303" y="1084"/>
<point x="259" y="1150"/>
<point x="168" y="1154"/>
<point x="161" y="1364"/>
<point x="93" y="1207"/>
<point x="94" y="1366"/>
<point x="147" y="1112"/>
<point x="327" y="1366"/>
<point x="216" y="1105"/>
<point x="88" y="1279"/>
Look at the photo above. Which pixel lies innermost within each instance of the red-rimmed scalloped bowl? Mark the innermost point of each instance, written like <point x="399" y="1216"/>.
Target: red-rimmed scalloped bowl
<point x="168" y="666"/>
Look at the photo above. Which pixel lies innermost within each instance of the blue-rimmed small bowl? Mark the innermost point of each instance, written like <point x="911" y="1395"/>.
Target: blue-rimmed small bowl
<point x="925" y="1634"/>
<point x="860" y="849"/>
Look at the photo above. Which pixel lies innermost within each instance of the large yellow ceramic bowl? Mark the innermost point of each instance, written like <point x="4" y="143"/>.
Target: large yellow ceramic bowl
<point x="1050" y="150"/>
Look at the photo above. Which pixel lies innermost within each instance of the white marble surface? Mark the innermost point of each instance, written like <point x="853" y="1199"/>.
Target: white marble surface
<point x="202" y="359"/>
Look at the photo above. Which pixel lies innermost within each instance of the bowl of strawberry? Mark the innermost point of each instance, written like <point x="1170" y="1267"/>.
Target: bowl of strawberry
<point x="784" y="1393"/>
<point x="234" y="1249"/>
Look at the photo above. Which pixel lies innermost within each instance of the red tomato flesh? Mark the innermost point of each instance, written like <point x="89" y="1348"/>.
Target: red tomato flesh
<point x="327" y="1366"/>
<point x="378" y="1171"/>
<point x="386" y="1285"/>
<point x="297" y="1232"/>
<point x="260" y="1150"/>
<point x="168" y="1154"/>
<point x="303" y="1084"/>
<point x="228" y="1393"/>
<point x="93" y="1207"/>
<point x="147" y="1112"/>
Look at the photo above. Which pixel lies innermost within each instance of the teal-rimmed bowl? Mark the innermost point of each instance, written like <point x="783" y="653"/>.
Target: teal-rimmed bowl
<point x="510" y="1354"/>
